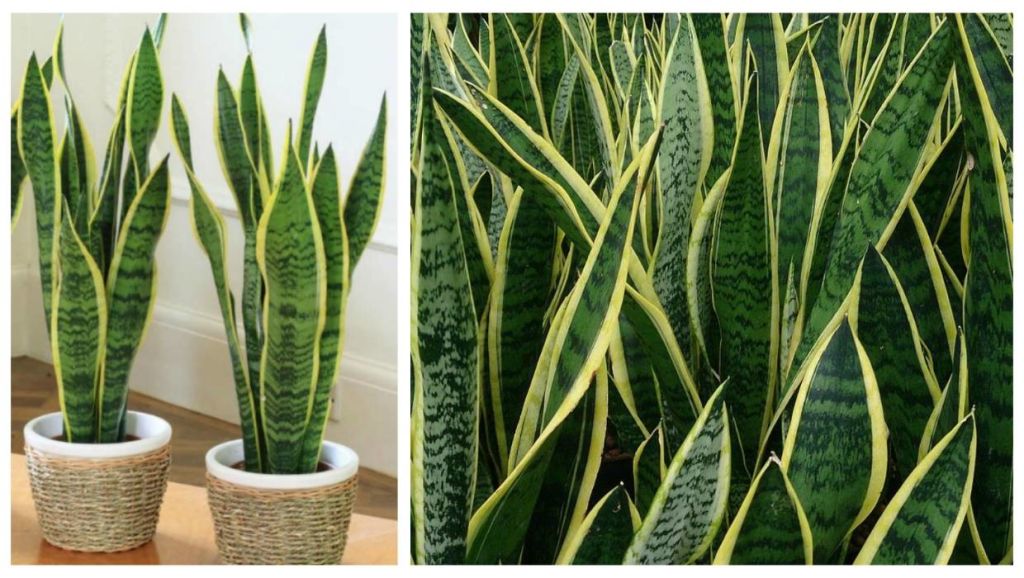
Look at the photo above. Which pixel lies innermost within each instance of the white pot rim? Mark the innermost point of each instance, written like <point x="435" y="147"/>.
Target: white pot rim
<point x="221" y="458"/>
<point x="153" y="433"/>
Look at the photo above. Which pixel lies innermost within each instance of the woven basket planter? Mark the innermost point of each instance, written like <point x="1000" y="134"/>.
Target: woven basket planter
<point x="98" y="497"/>
<point x="281" y="519"/>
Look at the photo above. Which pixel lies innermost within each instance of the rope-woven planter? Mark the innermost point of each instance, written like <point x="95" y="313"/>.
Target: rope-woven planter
<point x="98" y="497"/>
<point x="281" y="519"/>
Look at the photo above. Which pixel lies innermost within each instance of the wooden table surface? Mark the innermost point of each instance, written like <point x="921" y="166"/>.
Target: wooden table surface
<point x="183" y="536"/>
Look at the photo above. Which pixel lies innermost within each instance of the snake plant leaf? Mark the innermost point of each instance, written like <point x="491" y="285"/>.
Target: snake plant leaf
<point x="745" y="286"/>
<point x="888" y="333"/>
<point x="516" y="328"/>
<point x="365" y="196"/>
<point x="210" y="230"/>
<point x="648" y="470"/>
<point x="102" y="231"/>
<point x="888" y="65"/>
<point x="988" y="321"/>
<point x="466" y="56"/>
<point x="569" y="480"/>
<point x="835" y="451"/>
<point x="130" y="295"/>
<point x="511" y="79"/>
<point x="160" y="29"/>
<point x="78" y="169"/>
<point x="681" y="165"/>
<point x="249" y="112"/>
<point x="37" y="143"/>
<point x="951" y="406"/>
<point x="826" y="50"/>
<point x="691" y="502"/>
<point x="47" y="70"/>
<point x="710" y="33"/>
<point x="581" y="341"/>
<point x="445" y="341"/>
<point x="550" y="65"/>
<point x="984" y="54"/>
<point x="535" y="171"/>
<point x="145" y="99"/>
<point x="766" y="38"/>
<point x="325" y="195"/>
<point x="805" y="161"/>
<point x="79" y="333"/>
<point x="921" y="523"/>
<point x="605" y="533"/>
<point x="770" y="526"/>
<point x="315" y="75"/>
<point x="290" y="255"/>
<point x="881" y="176"/>
<point x="18" y="172"/>
<point x="231" y="147"/>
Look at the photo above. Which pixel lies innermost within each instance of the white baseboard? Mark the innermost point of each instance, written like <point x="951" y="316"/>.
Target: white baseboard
<point x="184" y="361"/>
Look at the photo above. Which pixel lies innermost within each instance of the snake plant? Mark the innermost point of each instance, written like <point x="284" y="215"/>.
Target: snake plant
<point x="712" y="288"/>
<point x="97" y="232"/>
<point x="302" y="242"/>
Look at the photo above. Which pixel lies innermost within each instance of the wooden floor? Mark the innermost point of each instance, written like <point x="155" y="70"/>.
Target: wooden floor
<point x="34" y="392"/>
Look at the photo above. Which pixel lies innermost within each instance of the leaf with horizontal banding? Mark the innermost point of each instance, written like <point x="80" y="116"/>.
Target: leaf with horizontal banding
<point x="145" y="100"/>
<point x="767" y="40"/>
<point x="605" y="533"/>
<point x="445" y="358"/>
<point x="988" y="322"/>
<point x="131" y="288"/>
<point x="79" y="334"/>
<point x="333" y="232"/>
<point x="921" y="523"/>
<point x="745" y="288"/>
<point x="315" y="74"/>
<point x="231" y="146"/>
<point x="290" y="255"/>
<point x="886" y="34"/>
<point x="465" y="53"/>
<point x="826" y="51"/>
<point x="522" y="279"/>
<point x="881" y="176"/>
<point x="770" y="526"/>
<point x="983" y="54"/>
<point x="210" y="230"/>
<point x="888" y="333"/>
<point x="951" y="406"/>
<point x="680" y="164"/>
<point x="579" y="346"/>
<point x="249" y="114"/>
<point x="690" y="504"/>
<point x="804" y="162"/>
<point x="18" y="171"/>
<point x="512" y="77"/>
<point x="37" y="142"/>
<point x="710" y="33"/>
<point x="835" y="450"/>
<point x="366" y="193"/>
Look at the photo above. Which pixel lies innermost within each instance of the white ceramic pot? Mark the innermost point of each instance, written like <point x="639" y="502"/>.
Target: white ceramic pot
<point x="98" y="497"/>
<point x="281" y="518"/>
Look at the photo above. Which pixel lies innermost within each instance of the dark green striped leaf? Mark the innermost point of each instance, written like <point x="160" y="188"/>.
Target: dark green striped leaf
<point x="835" y="453"/>
<point x="333" y="232"/>
<point x="690" y="504"/>
<point x="447" y="364"/>
<point x="145" y="100"/>
<point x="366" y="193"/>
<point x="770" y="526"/>
<point x="290" y="254"/>
<point x="921" y="523"/>
<point x="37" y="141"/>
<point x="311" y="95"/>
<point x="605" y="533"/>
<point x="131" y="287"/>
<point x="79" y="334"/>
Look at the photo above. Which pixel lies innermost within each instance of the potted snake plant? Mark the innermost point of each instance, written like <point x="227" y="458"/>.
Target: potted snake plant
<point x="281" y="493"/>
<point x="97" y="471"/>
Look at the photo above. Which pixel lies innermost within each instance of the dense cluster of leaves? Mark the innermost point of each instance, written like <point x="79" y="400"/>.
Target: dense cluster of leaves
<point x="302" y="242"/>
<point x="97" y="233"/>
<point x="712" y="288"/>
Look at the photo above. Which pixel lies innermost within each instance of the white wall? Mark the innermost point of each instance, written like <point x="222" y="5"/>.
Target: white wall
<point x="184" y="358"/>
